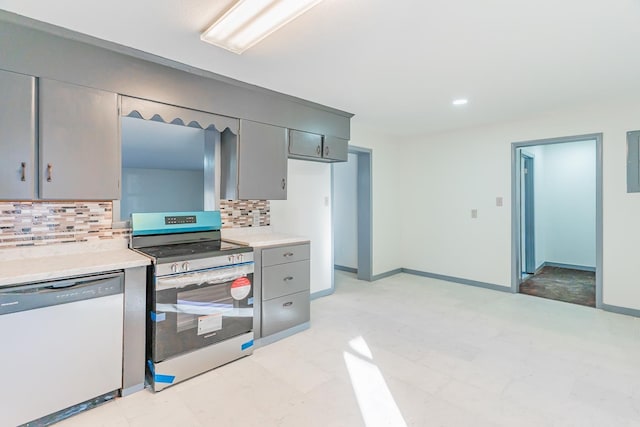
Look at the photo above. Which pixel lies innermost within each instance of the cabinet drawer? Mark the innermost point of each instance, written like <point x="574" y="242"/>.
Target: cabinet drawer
<point x="283" y="279"/>
<point x="282" y="254"/>
<point x="285" y="312"/>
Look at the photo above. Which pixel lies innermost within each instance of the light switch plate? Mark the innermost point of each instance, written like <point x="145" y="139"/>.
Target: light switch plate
<point x="474" y="213"/>
<point x="499" y="201"/>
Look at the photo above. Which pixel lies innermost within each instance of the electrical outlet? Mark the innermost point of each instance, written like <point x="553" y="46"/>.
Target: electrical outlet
<point x="474" y="213"/>
<point x="236" y="213"/>
<point x="256" y="218"/>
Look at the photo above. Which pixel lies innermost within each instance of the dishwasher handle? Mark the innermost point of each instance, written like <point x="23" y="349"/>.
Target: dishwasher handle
<point x="45" y="294"/>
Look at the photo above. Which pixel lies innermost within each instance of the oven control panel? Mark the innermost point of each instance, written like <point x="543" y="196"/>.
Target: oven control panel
<point x="183" y="219"/>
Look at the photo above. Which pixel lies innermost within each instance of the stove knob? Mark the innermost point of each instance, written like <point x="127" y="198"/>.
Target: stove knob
<point x="230" y="257"/>
<point x="185" y="266"/>
<point x="240" y="257"/>
<point x="174" y="268"/>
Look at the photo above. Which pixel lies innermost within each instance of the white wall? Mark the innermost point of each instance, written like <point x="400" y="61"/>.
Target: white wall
<point x="447" y="175"/>
<point x="387" y="201"/>
<point x="307" y="212"/>
<point x="161" y="190"/>
<point x="345" y="212"/>
<point x="565" y="203"/>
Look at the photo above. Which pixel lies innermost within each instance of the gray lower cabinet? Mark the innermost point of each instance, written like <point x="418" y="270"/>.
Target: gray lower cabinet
<point x="285" y="277"/>
<point x="79" y="142"/>
<point x="17" y="136"/>
<point x="320" y="148"/>
<point x="254" y="163"/>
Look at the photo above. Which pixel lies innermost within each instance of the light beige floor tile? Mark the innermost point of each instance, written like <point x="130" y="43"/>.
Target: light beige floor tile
<point x="414" y="351"/>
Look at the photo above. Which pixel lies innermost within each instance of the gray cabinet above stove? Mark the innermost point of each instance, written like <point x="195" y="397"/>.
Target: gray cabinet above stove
<point x="254" y="163"/>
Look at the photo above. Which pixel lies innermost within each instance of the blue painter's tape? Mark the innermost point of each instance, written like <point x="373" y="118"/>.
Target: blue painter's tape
<point x="158" y="317"/>
<point x="167" y="379"/>
<point x="247" y="345"/>
<point x="250" y="301"/>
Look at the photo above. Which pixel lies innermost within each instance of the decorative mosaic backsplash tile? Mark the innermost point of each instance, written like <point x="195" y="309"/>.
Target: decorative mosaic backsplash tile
<point x="42" y="223"/>
<point x="244" y="213"/>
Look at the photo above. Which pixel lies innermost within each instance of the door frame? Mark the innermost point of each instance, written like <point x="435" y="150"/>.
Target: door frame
<point x="529" y="212"/>
<point x="364" y="211"/>
<point x="516" y="262"/>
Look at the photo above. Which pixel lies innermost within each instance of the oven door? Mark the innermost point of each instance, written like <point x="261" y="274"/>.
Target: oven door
<point x="194" y="310"/>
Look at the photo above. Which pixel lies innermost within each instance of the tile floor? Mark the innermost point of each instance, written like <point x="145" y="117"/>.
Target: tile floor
<point x="408" y="350"/>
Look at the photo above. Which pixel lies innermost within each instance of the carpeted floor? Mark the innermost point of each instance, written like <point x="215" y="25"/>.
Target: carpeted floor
<point x="562" y="284"/>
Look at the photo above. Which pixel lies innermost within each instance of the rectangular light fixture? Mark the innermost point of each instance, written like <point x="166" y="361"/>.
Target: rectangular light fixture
<point x="247" y="22"/>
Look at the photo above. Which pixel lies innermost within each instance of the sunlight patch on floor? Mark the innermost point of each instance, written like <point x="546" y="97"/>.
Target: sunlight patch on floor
<point x="377" y="405"/>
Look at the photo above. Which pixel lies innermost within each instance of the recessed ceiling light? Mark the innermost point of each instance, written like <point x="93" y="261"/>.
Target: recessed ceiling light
<point x="249" y="21"/>
<point x="460" y="101"/>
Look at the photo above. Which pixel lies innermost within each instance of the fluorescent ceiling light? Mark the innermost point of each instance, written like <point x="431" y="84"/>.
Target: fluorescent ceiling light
<point x="460" y="101"/>
<point x="249" y="21"/>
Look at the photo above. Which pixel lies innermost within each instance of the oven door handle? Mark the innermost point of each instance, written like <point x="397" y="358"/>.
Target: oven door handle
<point x="204" y="278"/>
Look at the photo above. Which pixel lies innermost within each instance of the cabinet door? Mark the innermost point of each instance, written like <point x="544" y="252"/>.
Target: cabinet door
<point x="336" y="149"/>
<point x="79" y="142"/>
<point x="262" y="161"/>
<point x="304" y="144"/>
<point x="17" y="136"/>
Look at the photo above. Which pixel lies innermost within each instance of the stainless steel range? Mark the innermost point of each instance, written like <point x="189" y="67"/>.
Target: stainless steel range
<point x="199" y="295"/>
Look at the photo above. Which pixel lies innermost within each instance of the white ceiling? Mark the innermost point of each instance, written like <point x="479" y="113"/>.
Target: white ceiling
<point x="397" y="64"/>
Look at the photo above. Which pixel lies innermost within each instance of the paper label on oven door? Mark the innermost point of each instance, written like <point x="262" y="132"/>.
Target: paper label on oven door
<point x="240" y="288"/>
<point x="208" y="324"/>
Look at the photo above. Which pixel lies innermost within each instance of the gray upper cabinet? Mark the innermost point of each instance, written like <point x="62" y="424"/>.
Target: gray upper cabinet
<point x="304" y="144"/>
<point x="255" y="163"/>
<point x="79" y="142"/>
<point x="319" y="148"/>
<point x="17" y="136"/>
<point x="335" y="149"/>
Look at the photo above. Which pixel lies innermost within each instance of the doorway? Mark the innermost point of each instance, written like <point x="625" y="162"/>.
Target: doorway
<point x="352" y="213"/>
<point x="557" y="218"/>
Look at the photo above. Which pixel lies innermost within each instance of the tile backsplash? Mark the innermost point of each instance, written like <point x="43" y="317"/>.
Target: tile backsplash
<point x="245" y="213"/>
<point x="42" y="223"/>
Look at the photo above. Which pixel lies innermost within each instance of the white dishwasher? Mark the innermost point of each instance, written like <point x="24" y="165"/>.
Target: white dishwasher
<point x="61" y="345"/>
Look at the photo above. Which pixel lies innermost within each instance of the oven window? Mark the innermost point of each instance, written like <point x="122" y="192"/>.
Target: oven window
<point x="203" y="308"/>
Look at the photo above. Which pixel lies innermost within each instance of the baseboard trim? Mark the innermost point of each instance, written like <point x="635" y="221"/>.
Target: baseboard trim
<point x="386" y="274"/>
<point x="322" y="293"/>
<point x="347" y="269"/>
<point x="261" y="342"/>
<point x="621" y="310"/>
<point x="458" y="280"/>
<point x="570" y="266"/>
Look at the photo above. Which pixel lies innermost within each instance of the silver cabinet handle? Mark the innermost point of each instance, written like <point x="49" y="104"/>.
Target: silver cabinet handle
<point x="23" y="171"/>
<point x="288" y="304"/>
<point x="319" y="150"/>
<point x="326" y="150"/>
<point x="286" y="279"/>
<point x="287" y="254"/>
<point x="284" y="183"/>
<point x="49" y="172"/>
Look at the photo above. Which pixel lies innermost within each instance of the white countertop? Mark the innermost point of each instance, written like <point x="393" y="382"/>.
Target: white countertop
<point x="260" y="237"/>
<point x="32" y="264"/>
